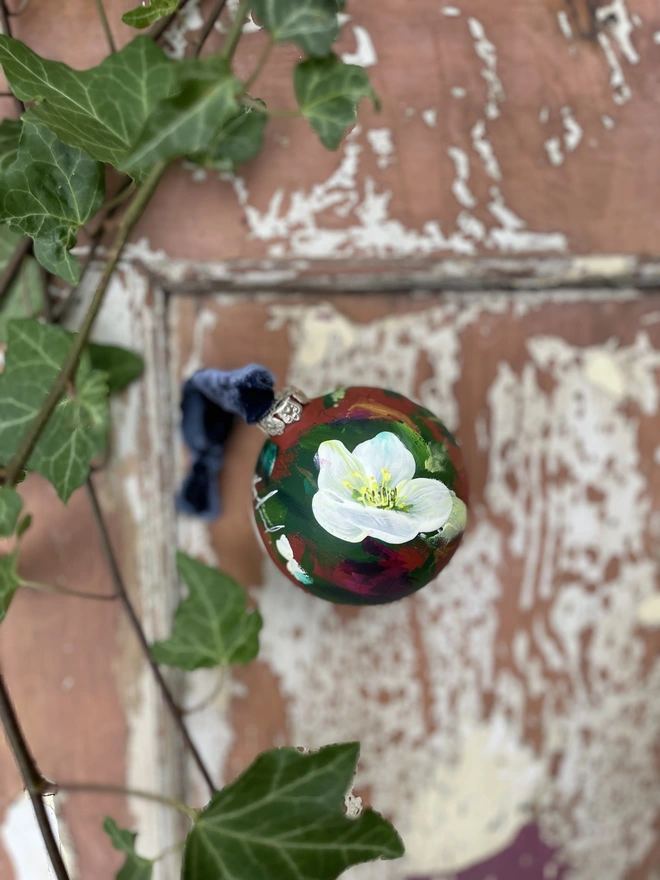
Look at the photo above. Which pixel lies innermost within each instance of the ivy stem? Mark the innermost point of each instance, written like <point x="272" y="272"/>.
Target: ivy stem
<point x="265" y="55"/>
<point x="247" y="101"/>
<point x="15" y="262"/>
<point x="35" y="783"/>
<point x="131" y="216"/>
<point x="176" y="847"/>
<point x="47" y="588"/>
<point x="120" y="198"/>
<point x="235" y="31"/>
<point x="119" y="791"/>
<point x="6" y="29"/>
<point x="208" y="25"/>
<point x="158" y="29"/>
<point x="106" y="25"/>
<point x="122" y="593"/>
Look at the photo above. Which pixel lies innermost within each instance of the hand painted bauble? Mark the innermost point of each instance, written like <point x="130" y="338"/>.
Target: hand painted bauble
<point x="360" y="496"/>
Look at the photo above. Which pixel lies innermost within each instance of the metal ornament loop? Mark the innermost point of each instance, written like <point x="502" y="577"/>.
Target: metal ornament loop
<point x="287" y="409"/>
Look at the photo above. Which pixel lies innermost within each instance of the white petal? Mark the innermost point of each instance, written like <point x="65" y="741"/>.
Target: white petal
<point x="430" y="502"/>
<point x="350" y="521"/>
<point x="340" y="471"/>
<point x="386" y="451"/>
<point x="284" y="547"/>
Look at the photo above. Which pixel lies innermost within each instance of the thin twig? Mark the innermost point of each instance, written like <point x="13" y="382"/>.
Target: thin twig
<point x="62" y="591"/>
<point x="106" y="25"/>
<point x="12" y="268"/>
<point x="236" y="30"/>
<point x="45" y="298"/>
<point x="265" y="55"/>
<point x="102" y="788"/>
<point x="130" y="218"/>
<point x="6" y="29"/>
<point x="35" y="783"/>
<point x="120" y="588"/>
<point x="214" y="15"/>
<point x="157" y="30"/>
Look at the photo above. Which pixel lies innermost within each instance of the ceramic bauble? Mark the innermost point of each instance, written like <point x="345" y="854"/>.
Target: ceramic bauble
<point x="360" y="495"/>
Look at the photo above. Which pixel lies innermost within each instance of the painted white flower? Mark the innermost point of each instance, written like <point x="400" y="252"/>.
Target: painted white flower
<point x="372" y="491"/>
<point x="286" y="552"/>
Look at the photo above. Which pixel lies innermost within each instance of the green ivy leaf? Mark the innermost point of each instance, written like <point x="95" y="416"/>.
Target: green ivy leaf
<point x="11" y="505"/>
<point x="143" y="16"/>
<point x="212" y="626"/>
<point x="25" y="296"/>
<point x="328" y="92"/>
<point x="121" y="367"/>
<point x="135" y="867"/>
<point x="9" y="582"/>
<point x="48" y="193"/>
<point x="24" y="525"/>
<point x="239" y="140"/>
<point x="10" y="135"/>
<point x="77" y="430"/>
<point x="189" y="121"/>
<point x="284" y="817"/>
<point x="312" y="24"/>
<point x="102" y="110"/>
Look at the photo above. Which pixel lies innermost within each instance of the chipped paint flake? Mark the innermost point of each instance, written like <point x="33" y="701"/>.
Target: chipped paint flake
<point x="513" y="236"/>
<point x="607" y="121"/>
<point x="484" y="149"/>
<point x="380" y="141"/>
<point x="554" y="151"/>
<point x="458" y="92"/>
<point x="565" y="24"/>
<point x="365" y="52"/>
<point x="621" y="92"/>
<point x="488" y="54"/>
<point x="451" y="11"/>
<point x="648" y="613"/>
<point x="617" y="19"/>
<point x="544" y="115"/>
<point x="573" y="131"/>
<point x="430" y="117"/>
<point x="460" y="186"/>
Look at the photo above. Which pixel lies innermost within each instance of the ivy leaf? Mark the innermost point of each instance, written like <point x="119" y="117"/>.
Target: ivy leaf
<point x="25" y="297"/>
<point x="9" y="582"/>
<point x="24" y="525"/>
<point x="102" y="110"/>
<point x="11" y="505"/>
<point x="328" y="92"/>
<point x="135" y="867"/>
<point x="284" y="817"/>
<point x="121" y="367"/>
<point x="48" y="193"/>
<point x="77" y="430"/>
<point x="312" y="24"/>
<point x="10" y="135"/>
<point x="189" y="120"/>
<point x="143" y="16"/>
<point x="211" y="626"/>
<point x="239" y="140"/>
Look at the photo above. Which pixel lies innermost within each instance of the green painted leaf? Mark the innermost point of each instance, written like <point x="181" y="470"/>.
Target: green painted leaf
<point x="9" y="582"/>
<point x="11" y="505"/>
<point x="312" y="24"/>
<point x="328" y="92"/>
<point x="121" y="367"/>
<point x="24" y="298"/>
<point x="456" y="523"/>
<point x="143" y="16"/>
<point x="48" y="193"/>
<point x="102" y="110"/>
<point x="284" y="818"/>
<point x="239" y="140"/>
<point x="77" y="430"/>
<point x="189" y="121"/>
<point x="440" y="463"/>
<point x="135" y="867"/>
<point x="212" y="626"/>
<point x="10" y="135"/>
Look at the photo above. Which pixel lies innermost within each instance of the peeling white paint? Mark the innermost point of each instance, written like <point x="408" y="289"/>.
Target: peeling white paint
<point x="565" y="24"/>
<point x="430" y="117"/>
<point x="656" y="38"/>
<point x="603" y="371"/>
<point x="573" y="130"/>
<point x="23" y="842"/>
<point x="620" y="89"/>
<point x="451" y="11"/>
<point x="380" y="141"/>
<point x="488" y="54"/>
<point x="188" y="20"/>
<point x="513" y="236"/>
<point x="617" y="19"/>
<point x="484" y="149"/>
<point x="648" y="613"/>
<point x="365" y="52"/>
<point x="458" y="92"/>
<point x="460" y="186"/>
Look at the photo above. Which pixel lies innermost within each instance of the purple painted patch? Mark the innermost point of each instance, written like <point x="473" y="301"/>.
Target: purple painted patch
<point x="528" y="858"/>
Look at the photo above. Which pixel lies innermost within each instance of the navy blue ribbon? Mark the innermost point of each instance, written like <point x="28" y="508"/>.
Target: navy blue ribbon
<point x="211" y="401"/>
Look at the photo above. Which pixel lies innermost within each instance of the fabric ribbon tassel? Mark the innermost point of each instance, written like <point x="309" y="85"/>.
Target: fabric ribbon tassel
<point x="211" y="401"/>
